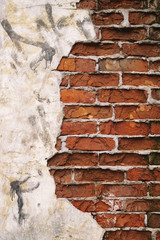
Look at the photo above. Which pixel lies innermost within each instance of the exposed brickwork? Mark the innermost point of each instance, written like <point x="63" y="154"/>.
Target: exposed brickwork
<point x="108" y="162"/>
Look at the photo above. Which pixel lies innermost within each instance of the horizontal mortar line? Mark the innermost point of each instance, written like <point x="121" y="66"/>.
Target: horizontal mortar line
<point x="88" y="135"/>
<point x="142" y="152"/>
<point x="108" y="120"/>
<point x="106" y="104"/>
<point x="99" y="167"/>
<point x="111" y="198"/>
<point x="132" y="228"/>
<point x="114" y="212"/>
<point x="123" y="87"/>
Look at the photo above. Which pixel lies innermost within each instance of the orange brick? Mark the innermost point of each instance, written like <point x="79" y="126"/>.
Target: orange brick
<point x="73" y="128"/>
<point x="138" y="18"/>
<point x="123" y="65"/>
<point x="139" y="144"/>
<point x="95" y="49"/>
<point x="73" y="191"/>
<point x="155" y="128"/>
<point x="77" y="96"/>
<point x="135" y="190"/>
<point x="158" y="236"/>
<point x="140" y="112"/>
<point x="154" y="189"/>
<point x="85" y="112"/>
<point x="155" y="66"/>
<point x="104" y="175"/>
<point x="122" y="96"/>
<point x="124" y="128"/>
<point x="124" y="34"/>
<point x="102" y="18"/>
<point x="89" y="4"/>
<point x="94" y="80"/>
<point x="107" y="220"/>
<point x="141" y="80"/>
<point x="95" y="144"/>
<point x="142" y="174"/>
<point x="61" y="176"/>
<point x="123" y="159"/>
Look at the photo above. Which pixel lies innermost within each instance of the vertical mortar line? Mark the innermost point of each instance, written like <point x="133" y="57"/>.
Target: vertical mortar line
<point x="96" y="5"/>
<point x="120" y="79"/>
<point x="69" y="81"/>
<point x="72" y="175"/>
<point x="145" y="220"/>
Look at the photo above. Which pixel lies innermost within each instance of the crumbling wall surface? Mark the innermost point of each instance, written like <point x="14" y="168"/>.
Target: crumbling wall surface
<point x="109" y="147"/>
<point x="34" y="36"/>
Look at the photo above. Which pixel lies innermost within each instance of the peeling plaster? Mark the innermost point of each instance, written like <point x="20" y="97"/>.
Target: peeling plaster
<point x="34" y="38"/>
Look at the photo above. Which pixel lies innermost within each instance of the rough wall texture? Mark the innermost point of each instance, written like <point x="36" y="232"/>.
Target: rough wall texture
<point x="109" y="147"/>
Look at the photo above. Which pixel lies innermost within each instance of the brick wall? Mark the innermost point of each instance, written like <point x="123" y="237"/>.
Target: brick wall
<point x="109" y="147"/>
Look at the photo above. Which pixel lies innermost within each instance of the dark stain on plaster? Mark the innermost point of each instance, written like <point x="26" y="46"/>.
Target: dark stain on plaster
<point x="16" y="189"/>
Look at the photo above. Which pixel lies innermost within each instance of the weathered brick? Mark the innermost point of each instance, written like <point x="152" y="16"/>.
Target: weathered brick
<point x="142" y="174"/>
<point x="155" y="66"/>
<point x="58" y="145"/>
<point x="125" y="65"/>
<point x="64" y="81"/>
<point x="128" y="235"/>
<point x="155" y="127"/>
<point x="143" y="50"/>
<point x="73" y="191"/>
<point x="84" y="205"/>
<point x="109" y="4"/>
<point x="124" y="128"/>
<point x="88" y="4"/>
<point x="155" y="33"/>
<point x="140" y="112"/>
<point x="73" y="128"/>
<point x="154" y="189"/>
<point x="158" y="236"/>
<point x="77" y="65"/>
<point x="123" y="159"/>
<point x="141" y="80"/>
<point x="156" y="94"/>
<point x="142" y="205"/>
<point x="94" y="80"/>
<point x="102" y="18"/>
<point x="75" y="159"/>
<point x="85" y="112"/>
<point x="155" y="158"/>
<point x="139" y="143"/>
<point x="107" y="220"/>
<point x="122" y="96"/>
<point x="77" y="96"/>
<point x="138" y="18"/>
<point x="95" y="144"/>
<point x="135" y="190"/>
<point x="104" y="175"/>
<point x="154" y="4"/>
<point x="61" y="176"/>
<point x="124" y="34"/>
<point x="153" y="220"/>
<point x="95" y="49"/>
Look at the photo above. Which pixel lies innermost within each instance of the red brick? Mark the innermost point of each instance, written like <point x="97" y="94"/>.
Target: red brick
<point x="141" y="80"/>
<point x="89" y="4"/>
<point x="75" y="159"/>
<point x="77" y="96"/>
<point x="75" y="128"/>
<point x="153" y="220"/>
<point x="139" y="143"/>
<point x="94" y="80"/>
<point x="155" y="66"/>
<point x="156" y="94"/>
<point x="155" y="33"/>
<point x="135" y="190"/>
<point x="124" y="128"/>
<point x="122" y="96"/>
<point x="137" y="112"/>
<point x="123" y="159"/>
<point x="154" y="189"/>
<point x="104" y="175"/>
<point x="155" y="158"/>
<point x="158" y="236"/>
<point x="142" y="205"/>
<point x="61" y="176"/>
<point x="102" y="18"/>
<point x="144" y="50"/>
<point x="125" y="65"/>
<point x="138" y="18"/>
<point x="124" y="34"/>
<point x="115" y="4"/>
<point x="77" y="65"/>
<point x="128" y="235"/>
<point x="58" y="145"/>
<point x="142" y="174"/>
<point x="107" y="220"/>
<point x="64" y="81"/>
<point x="95" y="49"/>
<point x="93" y="144"/>
<point x="85" y="112"/>
<point x="84" y="205"/>
<point x="155" y="128"/>
<point x="73" y="191"/>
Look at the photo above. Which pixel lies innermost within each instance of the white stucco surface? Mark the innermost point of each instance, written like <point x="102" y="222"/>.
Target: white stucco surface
<point x="35" y="35"/>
